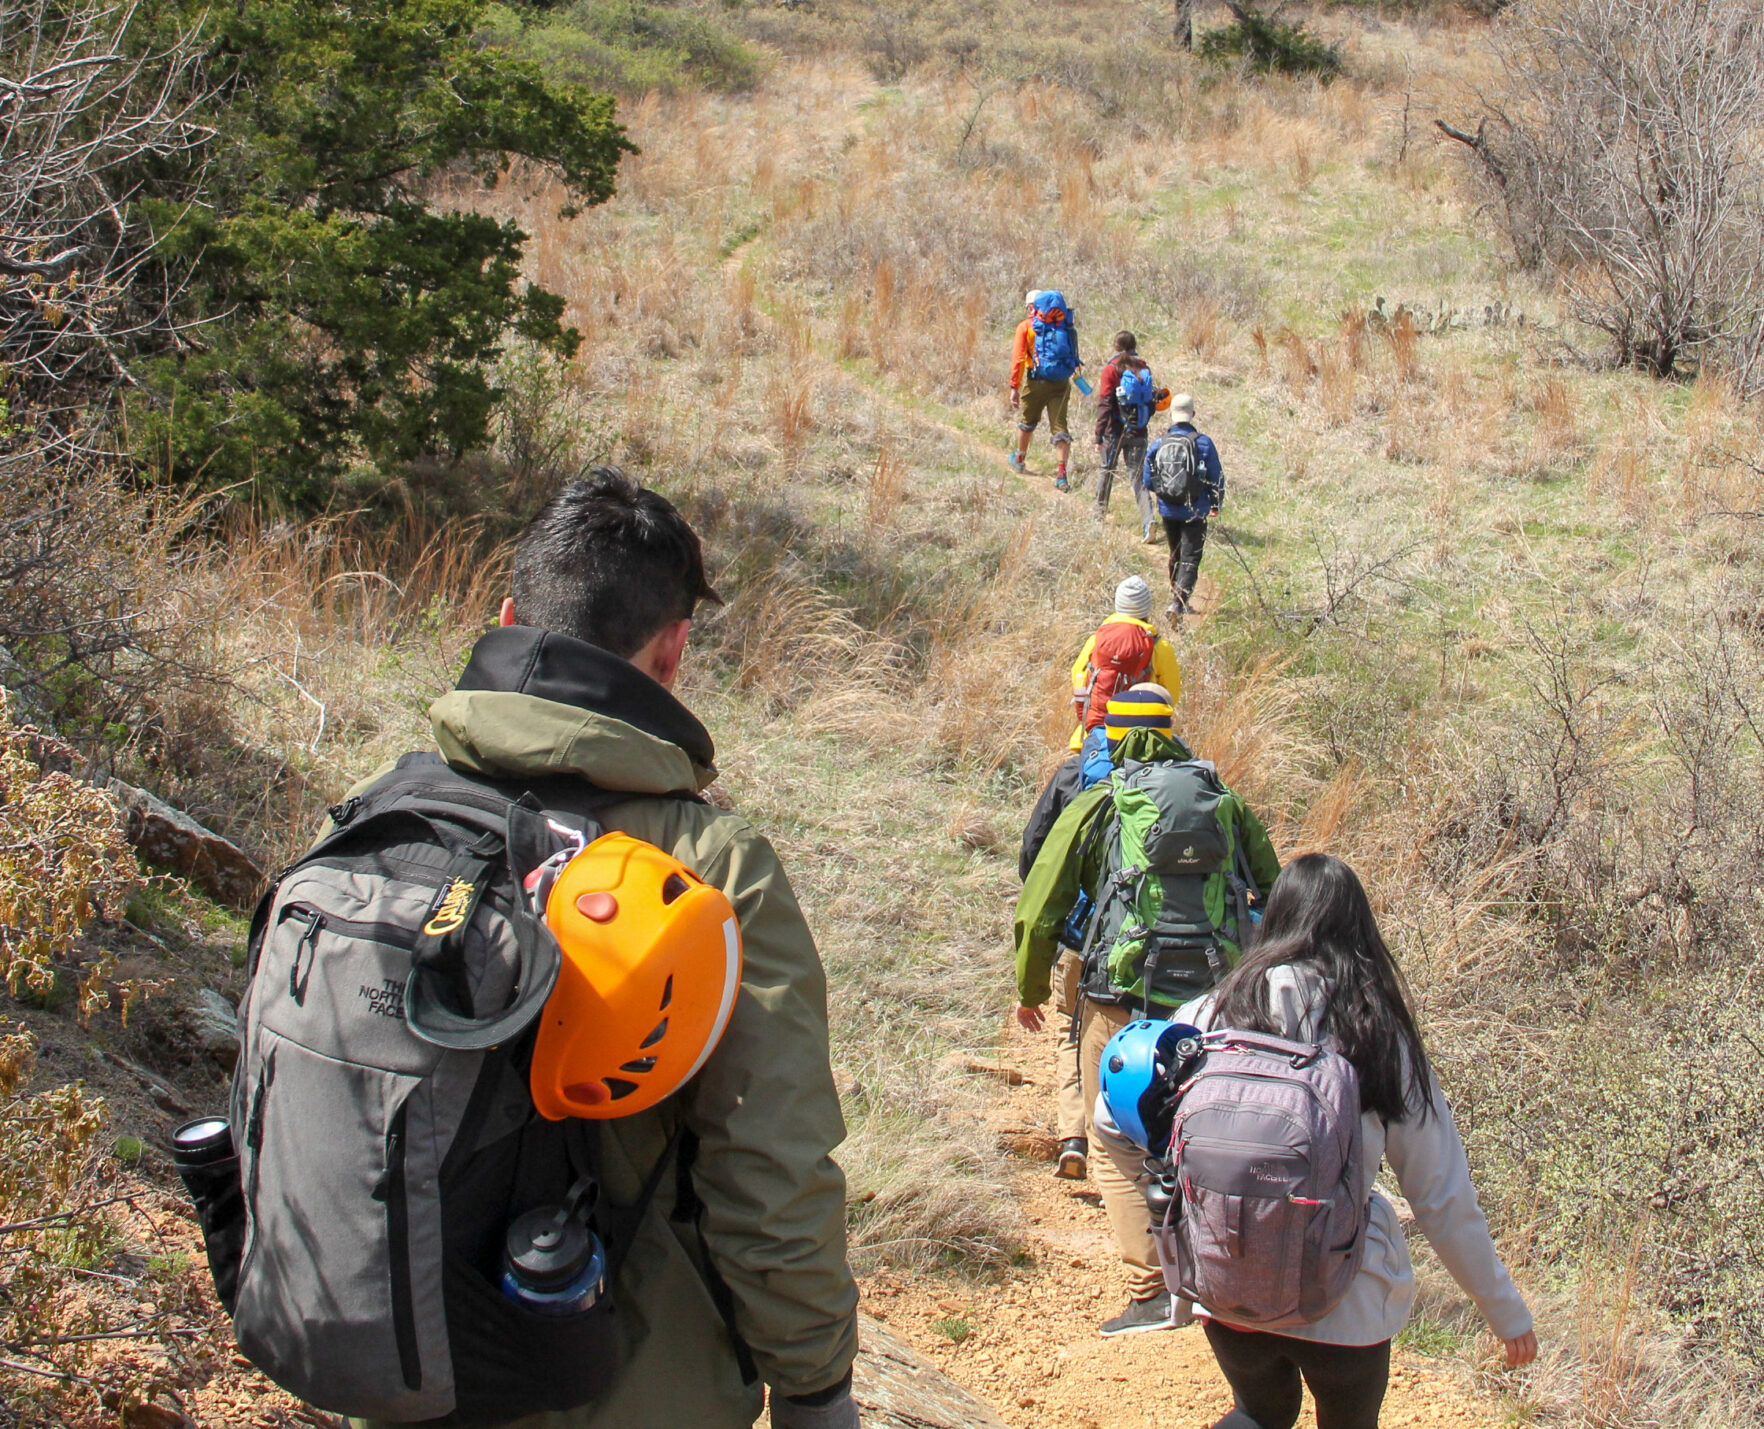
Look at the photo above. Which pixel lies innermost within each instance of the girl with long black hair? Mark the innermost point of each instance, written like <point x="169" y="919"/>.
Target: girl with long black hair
<point x="1320" y="971"/>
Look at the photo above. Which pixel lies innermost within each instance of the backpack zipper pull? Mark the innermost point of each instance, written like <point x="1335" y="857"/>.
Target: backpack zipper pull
<point x="314" y="921"/>
<point x="341" y="814"/>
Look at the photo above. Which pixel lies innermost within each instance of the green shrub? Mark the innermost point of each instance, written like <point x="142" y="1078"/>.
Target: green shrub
<point x="1267" y="46"/>
<point x="345" y="317"/>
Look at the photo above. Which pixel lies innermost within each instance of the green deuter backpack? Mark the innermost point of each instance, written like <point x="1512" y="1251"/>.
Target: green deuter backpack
<point x="1174" y="886"/>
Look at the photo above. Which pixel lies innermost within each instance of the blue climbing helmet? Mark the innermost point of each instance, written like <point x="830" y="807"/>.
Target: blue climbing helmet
<point x="1137" y="1080"/>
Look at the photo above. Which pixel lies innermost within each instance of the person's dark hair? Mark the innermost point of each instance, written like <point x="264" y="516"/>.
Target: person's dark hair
<point x="1318" y="915"/>
<point x="1126" y="341"/>
<point x="609" y="562"/>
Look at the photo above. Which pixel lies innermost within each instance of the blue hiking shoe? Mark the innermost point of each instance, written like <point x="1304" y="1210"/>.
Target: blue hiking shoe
<point x="1016" y="461"/>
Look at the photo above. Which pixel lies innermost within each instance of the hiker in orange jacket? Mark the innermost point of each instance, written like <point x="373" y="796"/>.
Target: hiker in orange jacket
<point x="1126" y="638"/>
<point x="1032" y="395"/>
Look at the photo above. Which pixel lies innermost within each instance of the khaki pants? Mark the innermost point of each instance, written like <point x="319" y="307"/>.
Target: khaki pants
<point x="1116" y="1165"/>
<point x="1071" y="1111"/>
<point x="1040" y="395"/>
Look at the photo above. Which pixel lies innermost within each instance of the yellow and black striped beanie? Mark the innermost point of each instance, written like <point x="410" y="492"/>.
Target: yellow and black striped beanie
<point x="1142" y="707"/>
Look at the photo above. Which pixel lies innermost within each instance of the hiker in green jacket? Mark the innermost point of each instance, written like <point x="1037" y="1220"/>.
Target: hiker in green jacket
<point x="1169" y="860"/>
<point x="750" y="1284"/>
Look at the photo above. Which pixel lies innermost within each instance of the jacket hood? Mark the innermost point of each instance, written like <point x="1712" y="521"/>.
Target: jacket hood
<point x="1148" y="746"/>
<point x="532" y="704"/>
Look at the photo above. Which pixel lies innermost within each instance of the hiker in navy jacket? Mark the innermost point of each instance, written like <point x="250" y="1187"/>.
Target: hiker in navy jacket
<point x="1185" y="527"/>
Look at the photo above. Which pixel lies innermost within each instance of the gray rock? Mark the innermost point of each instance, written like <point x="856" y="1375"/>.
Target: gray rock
<point x="171" y="839"/>
<point x="215" y="1023"/>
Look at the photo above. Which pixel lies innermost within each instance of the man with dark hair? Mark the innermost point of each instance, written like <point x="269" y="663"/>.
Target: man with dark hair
<point x="736" y="1272"/>
<point x="608" y="562"/>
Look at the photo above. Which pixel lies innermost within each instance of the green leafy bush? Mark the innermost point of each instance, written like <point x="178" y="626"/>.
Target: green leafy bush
<point x="1268" y="46"/>
<point x="343" y="314"/>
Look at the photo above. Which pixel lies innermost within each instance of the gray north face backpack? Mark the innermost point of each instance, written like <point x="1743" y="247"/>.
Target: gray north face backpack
<point x="386" y="1133"/>
<point x="1267" y="1227"/>
<point x="1176" y="473"/>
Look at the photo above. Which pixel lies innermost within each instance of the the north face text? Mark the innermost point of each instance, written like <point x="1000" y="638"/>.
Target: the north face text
<point x="386" y="1000"/>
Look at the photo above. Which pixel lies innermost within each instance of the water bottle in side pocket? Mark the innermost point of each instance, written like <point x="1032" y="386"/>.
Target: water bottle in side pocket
<point x="208" y="1165"/>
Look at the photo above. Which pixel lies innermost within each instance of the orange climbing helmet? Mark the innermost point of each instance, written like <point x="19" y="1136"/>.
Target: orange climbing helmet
<point x="651" y="966"/>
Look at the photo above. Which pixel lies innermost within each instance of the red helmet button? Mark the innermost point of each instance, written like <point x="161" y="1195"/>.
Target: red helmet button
<point x="600" y="907"/>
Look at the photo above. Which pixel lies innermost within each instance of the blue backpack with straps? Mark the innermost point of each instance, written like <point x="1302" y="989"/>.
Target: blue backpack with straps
<point x="1056" y="345"/>
<point x="1136" y="395"/>
<point x="1094" y="765"/>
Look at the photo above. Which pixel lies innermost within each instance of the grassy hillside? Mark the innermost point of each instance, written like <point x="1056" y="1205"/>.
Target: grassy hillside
<point x="1481" y="615"/>
<point x="1484" y="614"/>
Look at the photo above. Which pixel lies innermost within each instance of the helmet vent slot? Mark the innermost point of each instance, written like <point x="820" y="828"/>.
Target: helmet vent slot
<point x="640" y="1064"/>
<point x="674" y="887"/>
<point x="656" y="1034"/>
<point x="667" y="992"/>
<point x="619" y="1088"/>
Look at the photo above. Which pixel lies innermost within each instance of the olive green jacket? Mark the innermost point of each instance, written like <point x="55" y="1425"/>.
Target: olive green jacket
<point x="763" y="1108"/>
<point x="1069" y="863"/>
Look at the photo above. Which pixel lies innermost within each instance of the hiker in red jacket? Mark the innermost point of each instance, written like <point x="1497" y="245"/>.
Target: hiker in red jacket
<point x="1125" y="651"/>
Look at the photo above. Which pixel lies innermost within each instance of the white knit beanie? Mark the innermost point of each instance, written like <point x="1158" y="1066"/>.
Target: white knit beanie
<point x="1133" y="597"/>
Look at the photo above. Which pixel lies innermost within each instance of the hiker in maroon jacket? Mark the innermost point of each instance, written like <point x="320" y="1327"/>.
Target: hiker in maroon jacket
<point x="1121" y="433"/>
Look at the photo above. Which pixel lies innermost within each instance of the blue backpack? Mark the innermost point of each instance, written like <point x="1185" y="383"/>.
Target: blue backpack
<point x="1136" y="395"/>
<point x="1056" y="345"/>
<point x="1095" y="764"/>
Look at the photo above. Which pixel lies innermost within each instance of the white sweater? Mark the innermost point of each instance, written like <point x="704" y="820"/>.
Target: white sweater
<point x="1428" y="1160"/>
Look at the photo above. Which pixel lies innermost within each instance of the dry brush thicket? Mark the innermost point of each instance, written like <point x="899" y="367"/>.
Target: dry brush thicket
<point x="1620" y="146"/>
<point x="83" y="107"/>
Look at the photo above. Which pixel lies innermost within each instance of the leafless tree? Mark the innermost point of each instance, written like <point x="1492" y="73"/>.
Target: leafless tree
<point x="1623" y="145"/>
<point x="82" y="109"/>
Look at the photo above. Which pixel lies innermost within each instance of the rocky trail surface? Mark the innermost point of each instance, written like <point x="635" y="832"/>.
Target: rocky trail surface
<point x="1027" y="1343"/>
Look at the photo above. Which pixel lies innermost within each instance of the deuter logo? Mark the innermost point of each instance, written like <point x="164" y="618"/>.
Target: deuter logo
<point x="451" y="909"/>
<point x="386" y="1000"/>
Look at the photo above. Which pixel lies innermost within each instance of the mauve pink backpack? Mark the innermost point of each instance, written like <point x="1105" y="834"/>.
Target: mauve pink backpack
<point x="1268" y="1225"/>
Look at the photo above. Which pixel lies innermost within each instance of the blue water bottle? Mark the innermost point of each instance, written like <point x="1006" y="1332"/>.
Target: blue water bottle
<point x="553" y="1264"/>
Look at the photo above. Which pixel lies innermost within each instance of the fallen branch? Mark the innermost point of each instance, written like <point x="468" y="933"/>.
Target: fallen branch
<point x="61" y="1217"/>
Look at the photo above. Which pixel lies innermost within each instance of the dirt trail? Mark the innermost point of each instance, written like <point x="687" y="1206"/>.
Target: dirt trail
<point x="1033" y="1350"/>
